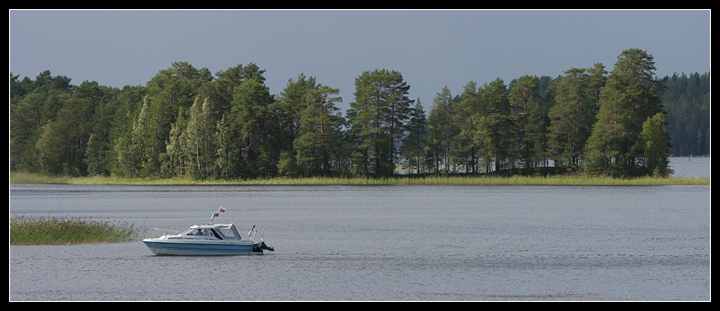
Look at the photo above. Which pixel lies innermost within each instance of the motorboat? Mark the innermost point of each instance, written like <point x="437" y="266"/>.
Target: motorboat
<point x="208" y="240"/>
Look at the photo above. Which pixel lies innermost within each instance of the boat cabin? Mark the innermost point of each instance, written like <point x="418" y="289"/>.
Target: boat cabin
<point x="218" y="231"/>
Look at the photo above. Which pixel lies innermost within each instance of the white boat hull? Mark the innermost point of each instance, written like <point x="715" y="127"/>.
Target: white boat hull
<point x="201" y="248"/>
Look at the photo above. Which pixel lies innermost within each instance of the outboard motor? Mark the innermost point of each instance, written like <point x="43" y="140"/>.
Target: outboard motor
<point x="259" y="247"/>
<point x="265" y="246"/>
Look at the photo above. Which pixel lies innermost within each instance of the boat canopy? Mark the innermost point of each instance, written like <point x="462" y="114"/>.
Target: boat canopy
<point x="219" y="231"/>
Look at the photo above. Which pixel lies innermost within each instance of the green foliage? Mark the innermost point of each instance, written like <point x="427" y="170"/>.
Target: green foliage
<point x="531" y="120"/>
<point x="378" y="118"/>
<point x="195" y="144"/>
<point x="442" y="130"/>
<point x="686" y="99"/>
<point x="495" y="126"/>
<point x="413" y="147"/>
<point x="572" y="117"/>
<point x="630" y="97"/>
<point x="185" y="123"/>
<point x="317" y="142"/>
<point x="654" y="139"/>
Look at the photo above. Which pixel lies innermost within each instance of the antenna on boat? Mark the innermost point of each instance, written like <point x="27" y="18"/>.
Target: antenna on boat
<point x="217" y="213"/>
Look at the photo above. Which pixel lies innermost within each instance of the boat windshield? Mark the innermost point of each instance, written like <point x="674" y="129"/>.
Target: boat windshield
<point x="199" y="232"/>
<point x="222" y="232"/>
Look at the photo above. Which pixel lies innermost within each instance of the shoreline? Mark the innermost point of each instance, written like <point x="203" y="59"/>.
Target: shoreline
<point x="553" y="180"/>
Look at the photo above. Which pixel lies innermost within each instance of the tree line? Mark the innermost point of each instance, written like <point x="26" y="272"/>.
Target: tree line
<point x="686" y="99"/>
<point x="187" y="122"/>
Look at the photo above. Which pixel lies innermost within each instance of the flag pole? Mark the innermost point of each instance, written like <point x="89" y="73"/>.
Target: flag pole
<point x="250" y="234"/>
<point x="216" y="214"/>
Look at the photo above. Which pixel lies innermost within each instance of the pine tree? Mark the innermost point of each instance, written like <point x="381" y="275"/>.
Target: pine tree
<point x="656" y="144"/>
<point x="292" y="101"/>
<point x="170" y="93"/>
<point x="378" y="116"/>
<point x="413" y="146"/>
<point x="319" y="130"/>
<point x="464" y="147"/>
<point x="630" y="97"/>
<point x="494" y="125"/>
<point x="529" y="119"/>
<point x="251" y="119"/>
<point x="572" y="118"/>
<point x="443" y="128"/>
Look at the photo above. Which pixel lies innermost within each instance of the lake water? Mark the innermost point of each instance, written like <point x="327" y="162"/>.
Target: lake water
<point x="690" y="167"/>
<point x="381" y="243"/>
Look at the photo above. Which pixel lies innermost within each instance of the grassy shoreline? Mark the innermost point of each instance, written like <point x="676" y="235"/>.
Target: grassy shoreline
<point x="69" y="230"/>
<point x="554" y="180"/>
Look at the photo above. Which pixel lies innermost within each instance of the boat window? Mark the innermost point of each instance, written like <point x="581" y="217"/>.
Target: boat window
<point x="228" y="234"/>
<point x="215" y="234"/>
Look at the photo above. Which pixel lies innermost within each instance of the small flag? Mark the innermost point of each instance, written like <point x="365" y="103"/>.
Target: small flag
<point x="217" y="213"/>
<point x="251" y="230"/>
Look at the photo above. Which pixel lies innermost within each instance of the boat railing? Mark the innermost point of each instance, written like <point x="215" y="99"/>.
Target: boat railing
<point x="166" y="231"/>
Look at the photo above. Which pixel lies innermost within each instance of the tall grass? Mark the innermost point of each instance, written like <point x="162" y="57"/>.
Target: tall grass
<point x="69" y="230"/>
<point x="551" y="180"/>
<point x="32" y="178"/>
<point x="556" y="180"/>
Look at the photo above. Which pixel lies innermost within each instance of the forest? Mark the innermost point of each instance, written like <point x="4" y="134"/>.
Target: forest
<point x="187" y="122"/>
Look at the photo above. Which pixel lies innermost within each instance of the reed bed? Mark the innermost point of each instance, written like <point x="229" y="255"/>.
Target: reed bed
<point x="69" y="230"/>
<point x="33" y="178"/>
<point x="549" y="180"/>
<point x="487" y="180"/>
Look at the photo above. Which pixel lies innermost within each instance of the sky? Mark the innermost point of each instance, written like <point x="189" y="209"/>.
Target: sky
<point x="432" y="49"/>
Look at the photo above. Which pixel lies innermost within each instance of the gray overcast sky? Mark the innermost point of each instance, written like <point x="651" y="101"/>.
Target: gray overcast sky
<point x="431" y="49"/>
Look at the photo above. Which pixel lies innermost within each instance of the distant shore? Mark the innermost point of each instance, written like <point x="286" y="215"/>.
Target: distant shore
<point x="552" y="180"/>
